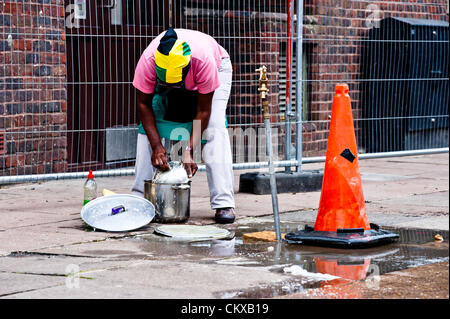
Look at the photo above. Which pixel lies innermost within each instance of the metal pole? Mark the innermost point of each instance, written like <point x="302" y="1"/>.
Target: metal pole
<point x="273" y="183"/>
<point x="299" y="87"/>
<point x="61" y="176"/>
<point x="170" y="13"/>
<point x="288" y="113"/>
<point x="201" y="168"/>
<point x="319" y="159"/>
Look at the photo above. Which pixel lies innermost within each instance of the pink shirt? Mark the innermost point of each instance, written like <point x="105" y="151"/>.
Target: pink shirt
<point x="203" y="75"/>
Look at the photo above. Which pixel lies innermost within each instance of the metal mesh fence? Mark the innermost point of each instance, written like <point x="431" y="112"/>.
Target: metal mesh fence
<point x="67" y="103"/>
<point x="394" y="57"/>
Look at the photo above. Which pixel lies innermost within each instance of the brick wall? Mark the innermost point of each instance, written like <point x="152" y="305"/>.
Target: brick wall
<point x="33" y="96"/>
<point x="333" y="32"/>
<point x="32" y="87"/>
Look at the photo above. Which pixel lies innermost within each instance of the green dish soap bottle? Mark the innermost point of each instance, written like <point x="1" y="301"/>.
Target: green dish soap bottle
<point x="90" y="188"/>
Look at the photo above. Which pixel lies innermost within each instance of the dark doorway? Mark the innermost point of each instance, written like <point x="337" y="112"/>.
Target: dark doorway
<point x="103" y="48"/>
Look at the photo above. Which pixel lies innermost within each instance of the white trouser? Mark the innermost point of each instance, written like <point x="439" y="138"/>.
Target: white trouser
<point x="216" y="153"/>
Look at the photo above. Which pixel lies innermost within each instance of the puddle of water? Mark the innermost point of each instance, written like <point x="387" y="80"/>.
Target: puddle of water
<point x="415" y="247"/>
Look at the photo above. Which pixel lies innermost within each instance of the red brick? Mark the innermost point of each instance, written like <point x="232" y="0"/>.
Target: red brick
<point x="12" y="7"/>
<point x="21" y="20"/>
<point x="23" y="120"/>
<point x="64" y="106"/>
<point x="15" y="160"/>
<point x="22" y="45"/>
<point x="59" y="118"/>
<point x="59" y="71"/>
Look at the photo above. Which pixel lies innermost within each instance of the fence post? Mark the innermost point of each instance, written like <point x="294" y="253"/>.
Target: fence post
<point x="289" y="55"/>
<point x="299" y="87"/>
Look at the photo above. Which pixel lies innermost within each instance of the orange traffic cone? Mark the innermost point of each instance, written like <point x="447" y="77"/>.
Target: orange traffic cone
<point x="341" y="218"/>
<point x="342" y="200"/>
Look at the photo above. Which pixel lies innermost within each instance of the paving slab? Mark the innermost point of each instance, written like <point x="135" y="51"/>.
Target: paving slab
<point x="43" y="239"/>
<point x="200" y="280"/>
<point x="46" y="214"/>
<point x="13" y="284"/>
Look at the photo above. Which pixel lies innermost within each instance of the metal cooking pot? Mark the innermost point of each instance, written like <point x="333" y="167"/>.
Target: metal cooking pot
<point x="172" y="201"/>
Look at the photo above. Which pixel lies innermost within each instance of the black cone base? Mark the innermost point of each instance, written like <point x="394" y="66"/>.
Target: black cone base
<point x="343" y="238"/>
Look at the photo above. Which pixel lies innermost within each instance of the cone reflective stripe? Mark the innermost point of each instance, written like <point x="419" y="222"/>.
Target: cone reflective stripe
<point x="341" y="219"/>
<point x="342" y="200"/>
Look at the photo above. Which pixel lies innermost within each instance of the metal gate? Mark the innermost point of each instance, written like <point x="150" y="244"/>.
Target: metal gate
<point x="67" y="103"/>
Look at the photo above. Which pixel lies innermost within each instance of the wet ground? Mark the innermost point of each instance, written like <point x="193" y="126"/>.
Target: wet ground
<point x="298" y="271"/>
<point x="46" y="251"/>
<point x="415" y="247"/>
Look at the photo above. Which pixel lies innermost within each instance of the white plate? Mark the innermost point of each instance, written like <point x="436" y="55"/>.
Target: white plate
<point x="192" y="232"/>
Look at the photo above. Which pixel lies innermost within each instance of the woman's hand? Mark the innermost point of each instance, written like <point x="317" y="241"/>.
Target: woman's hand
<point x="160" y="159"/>
<point x="189" y="165"/>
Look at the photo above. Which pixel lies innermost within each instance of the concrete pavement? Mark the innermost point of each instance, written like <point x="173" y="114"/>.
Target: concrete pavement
<point x="42" y="235"/>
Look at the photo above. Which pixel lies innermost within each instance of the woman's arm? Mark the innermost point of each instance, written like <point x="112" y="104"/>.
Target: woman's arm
<point x="159" y="159"/>
<point x="203" y="114"/>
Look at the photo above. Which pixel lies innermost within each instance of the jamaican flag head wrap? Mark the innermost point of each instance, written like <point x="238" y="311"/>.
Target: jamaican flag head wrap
<point x="172" y="58"/>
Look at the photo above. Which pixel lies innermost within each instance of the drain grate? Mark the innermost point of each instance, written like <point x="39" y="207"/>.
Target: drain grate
<point x="2" y="143"/>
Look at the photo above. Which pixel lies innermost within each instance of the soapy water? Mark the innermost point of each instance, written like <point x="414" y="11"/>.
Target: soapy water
<point x="296" y="270"/>
<point x="176" y="175"/>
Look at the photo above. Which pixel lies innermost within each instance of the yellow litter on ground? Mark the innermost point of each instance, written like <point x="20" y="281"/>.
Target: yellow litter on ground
<point x="261" y="236"/>
<point x="107" y="192"/>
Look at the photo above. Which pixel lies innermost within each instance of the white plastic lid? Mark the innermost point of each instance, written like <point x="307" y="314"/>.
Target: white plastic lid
<point x="136" y="212"/>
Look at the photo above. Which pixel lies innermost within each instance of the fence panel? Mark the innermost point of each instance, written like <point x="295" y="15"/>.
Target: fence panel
<point x="66" y="67"/>
<point x="394" y="57"/>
